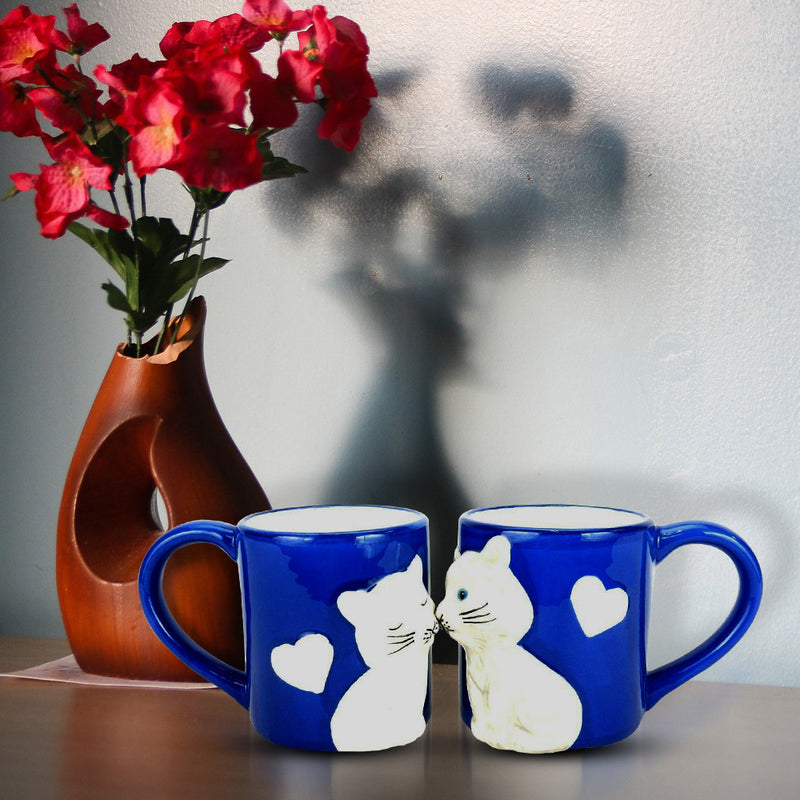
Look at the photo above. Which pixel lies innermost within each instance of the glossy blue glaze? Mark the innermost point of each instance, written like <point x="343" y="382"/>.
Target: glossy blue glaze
<point x="608" y="671"/>
<point x="290" y="585"/>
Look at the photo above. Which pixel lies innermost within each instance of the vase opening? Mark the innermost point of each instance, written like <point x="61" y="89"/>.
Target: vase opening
<point x="114" y="519"/>
<point x="158" y="510"/>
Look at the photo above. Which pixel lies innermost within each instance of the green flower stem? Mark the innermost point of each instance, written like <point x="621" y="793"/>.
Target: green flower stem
<point x="112" y="194"/>
<point x="167" y="315"/>
<point x="89" y="121"/>
<point x="196" y="214"/>
<point x="132" y="289"/>
<point x="206" y="213"/>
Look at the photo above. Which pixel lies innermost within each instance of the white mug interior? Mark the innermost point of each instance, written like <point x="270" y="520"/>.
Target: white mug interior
<point x="555" y="518"/>
<point x="332" y="519"/>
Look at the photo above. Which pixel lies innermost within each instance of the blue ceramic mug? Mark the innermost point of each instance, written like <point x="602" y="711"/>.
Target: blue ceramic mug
<point x="550" y="607"/>
<point x="338" y="622"/>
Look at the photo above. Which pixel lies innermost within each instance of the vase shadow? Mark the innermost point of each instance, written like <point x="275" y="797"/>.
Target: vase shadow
<point x="414" y="250"/>
<point x="394" y="454"/>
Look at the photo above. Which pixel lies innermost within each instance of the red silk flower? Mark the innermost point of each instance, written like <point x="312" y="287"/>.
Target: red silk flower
<point x="81" y="37"/>
<point x="276" y="17"/>
<point x="153" y="116"/>
<point x="203" y="111"/>
<point x="17" y="112"/>
<point x="62" y="189"/>
<point x="218" y="157"/>
<point x="24" y="43"/>
<point x="70" y="99"/>
<point x="207" y="111"/>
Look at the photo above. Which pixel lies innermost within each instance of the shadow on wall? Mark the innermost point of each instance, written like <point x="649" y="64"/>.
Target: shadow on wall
<point x="409" y="256"/>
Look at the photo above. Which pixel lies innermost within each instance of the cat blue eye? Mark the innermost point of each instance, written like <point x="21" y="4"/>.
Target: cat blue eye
<point x="462" y="594"/>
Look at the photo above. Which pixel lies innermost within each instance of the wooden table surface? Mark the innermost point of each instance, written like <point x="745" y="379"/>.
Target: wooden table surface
<point x="65" y="741"/>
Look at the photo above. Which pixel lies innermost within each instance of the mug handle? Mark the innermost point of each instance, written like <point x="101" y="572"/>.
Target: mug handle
<point x="664" y="679"/>
<point x="158" y="615"/>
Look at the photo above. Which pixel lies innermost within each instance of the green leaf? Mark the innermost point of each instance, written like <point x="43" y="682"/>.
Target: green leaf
<point x="279" y="167"/>
<point x="185" y="272"/>
<point x="152" y="267"/>
<point x="108" y="145"/>
<point x="116" y="297"/>
<point x="83" y="232"/>
<point x="207" y="199"/>
<point x="144" y="320"/>
<point x="160" y="237"/>
<point x="115" y="247"/>
<point x="275" y="167"/>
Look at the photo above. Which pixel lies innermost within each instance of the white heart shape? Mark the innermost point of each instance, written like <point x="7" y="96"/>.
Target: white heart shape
<point x="598" y="609"/>
<point x="304" y="664"/>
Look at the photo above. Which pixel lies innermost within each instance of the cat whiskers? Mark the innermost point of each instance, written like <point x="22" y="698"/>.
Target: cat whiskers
<point x="477" y="616"/>
<point x="443" y="623"/>
<point x="400" y="641"/>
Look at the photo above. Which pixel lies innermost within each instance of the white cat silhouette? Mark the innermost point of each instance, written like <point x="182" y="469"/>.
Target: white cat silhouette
<point x="394" y="626"/>
<point x="517" y="702"/>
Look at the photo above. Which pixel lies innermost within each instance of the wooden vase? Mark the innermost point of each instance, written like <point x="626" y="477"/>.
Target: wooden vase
<point x="153" y="426"/>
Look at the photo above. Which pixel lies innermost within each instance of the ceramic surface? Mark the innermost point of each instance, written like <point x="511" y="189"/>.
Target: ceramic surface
<point x="550" y="605"/>
<point x="338" y="623"/>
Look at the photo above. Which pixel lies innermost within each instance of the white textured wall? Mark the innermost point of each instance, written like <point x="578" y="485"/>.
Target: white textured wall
<point x="581" y="223"/>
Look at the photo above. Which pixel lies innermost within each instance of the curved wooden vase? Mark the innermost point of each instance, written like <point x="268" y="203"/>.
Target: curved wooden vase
<point x="153" y="426"/>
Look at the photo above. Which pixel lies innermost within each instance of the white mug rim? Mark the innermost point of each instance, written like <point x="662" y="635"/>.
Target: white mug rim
<point x="332" y="520"/>
<point x="562" y="518"/>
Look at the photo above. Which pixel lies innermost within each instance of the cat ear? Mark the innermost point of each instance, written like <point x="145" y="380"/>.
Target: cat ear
<point x="497" y="551"/>
<point x="414" y="569"/>
<point x="349" y="603"/>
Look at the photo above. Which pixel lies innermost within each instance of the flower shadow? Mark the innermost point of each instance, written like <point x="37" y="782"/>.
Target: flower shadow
<point x="419" y="235"/>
